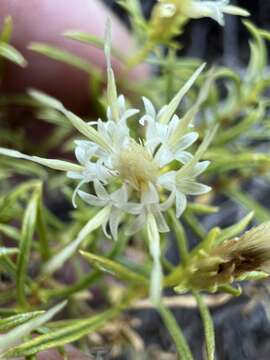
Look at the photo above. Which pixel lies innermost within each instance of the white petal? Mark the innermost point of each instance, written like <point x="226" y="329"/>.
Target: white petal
<point x="120" y="196"/>
<point x="91" y="199"/>
<point x="127" y="114"/>
<point x="193" y="188"/>
<point x="121" y="104"/>
<point x="183" y="157"/>
<point x="150" y="196"/>
<point x="181" y="203"/>
<point x="168" y="203"/>
<point x="164" y="156"/>
<point x="104" y="229"/>
<point x="160" y="220"/>
<point x="137" y="224"/>
<point x="149" y="107"/>
<point x="114" y="221"/>
<point x="101" y="191"/>
<point x="74" y="175"/>
<point x="81" y="155"/>
<point x="199" y="168"/>
<point x="187" y="140"/>
<point x="235" y="10"/>
<point x="75" y="192"/>
<point x="168" y="180"/>
<point x="133" y="208"/>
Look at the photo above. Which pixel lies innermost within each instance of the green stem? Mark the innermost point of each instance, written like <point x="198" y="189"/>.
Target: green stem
<point x="208" y="325"/>
<point x="180" y="236"/>
<point x="176" y="333"/>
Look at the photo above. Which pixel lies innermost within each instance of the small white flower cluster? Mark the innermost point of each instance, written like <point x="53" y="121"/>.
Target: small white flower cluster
<point x="141" y="167"/>
<point x="196" y="9"/>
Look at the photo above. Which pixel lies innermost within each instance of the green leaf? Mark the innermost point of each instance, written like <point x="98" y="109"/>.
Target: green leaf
<point x="28" y="228"/>
<point x="16" y="320"/>
<point x="63" y="335"/>
<point x="42" y="229"/>
<point x="59" y="259"/>
<point x="260" y="213"/>
<point x="91" y="40"/>
<point x="194" y="224"/>
<point x="138" y="23"/>
<point x="253" y="276"/>
<point x="64" y="57"/>
<point x="77" y="122"/>
<point x="113" y="268"/>
<point x="224" y="160"/>
<point x="180" y="236"/>
<point x="10" y="231"/>
<point x="228" y="289"/>
<point x="254" y="116"/>
<point x="208" y="325"/>
<point x="176" y="333"/>
<point x="8" y="251"/>
<point x="234" y="230"/>
<point x="20" y="192"/>
<point x="7" y="30"/>
<point x="202" y="209"/>
<point x="9" y="340"/>
<point x="50" y="163"/>
<point x="258" y="58"/>
<point x="10" y="53"/>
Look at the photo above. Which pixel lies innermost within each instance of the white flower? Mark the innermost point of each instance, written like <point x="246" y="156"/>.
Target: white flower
<point x="160" y="136"/>
<point x="116" y="200"/>
<point x="111" y="158"/>
<point x="214" y="9"/>
<point x="196" y="9"/>
<point x="183" y="182"/>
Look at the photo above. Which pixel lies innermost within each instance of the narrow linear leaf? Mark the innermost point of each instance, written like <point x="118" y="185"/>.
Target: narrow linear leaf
<point x="59" y="259"/>
<point x="8" y="251"/>
<point x="7" y="30"/>
<point x="180" y="236"/>
<point x="176" y="333"/>
<point x="234" y="230"/>
<point x="10" y="53"/>
<point x="64" y="57"/>
<point x="10" y="232"/>
<point x="202" y="209"/>
<point x="16" y="320"/>
<point x="63" y="335"/>
<point x="42" y="230"/>
<point x="91" y="40"/>
<point x="208" y="325"/>
<point x="194" y="224"/>
<point x="260" y="212"/>
<point x="28" y="228"/>
<point x="75" y="120"/>
<point x="113" y="268"/>
<point x="228" y="289"/>
<point x="50" y="163"/>
<point x="9" y="340"/>
<point x="18" y="193"/>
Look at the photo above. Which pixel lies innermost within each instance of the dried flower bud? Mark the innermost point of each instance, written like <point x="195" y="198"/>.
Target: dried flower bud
<point x="232" y="260"/>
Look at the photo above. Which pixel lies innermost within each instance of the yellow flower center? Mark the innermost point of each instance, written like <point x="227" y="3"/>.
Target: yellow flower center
<point x="136" y="165"/>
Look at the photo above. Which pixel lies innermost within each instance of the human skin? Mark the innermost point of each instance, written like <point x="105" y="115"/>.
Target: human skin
<point x="45" y="21"/>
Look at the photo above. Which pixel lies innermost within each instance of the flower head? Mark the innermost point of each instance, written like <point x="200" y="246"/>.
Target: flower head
<point x="132" y="176"/>
<point x="241" y="258"/>
<point x="195" y="9"/>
